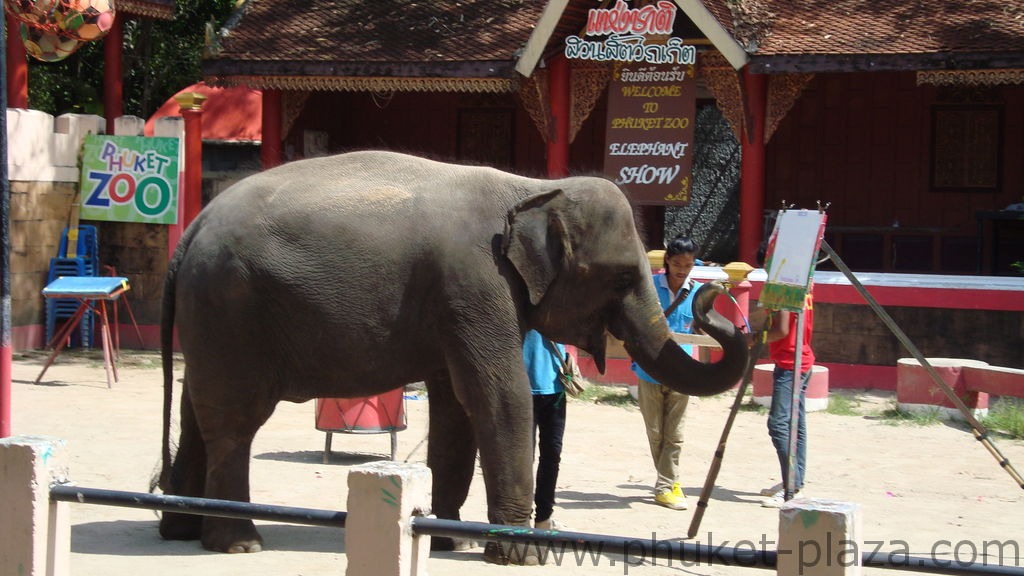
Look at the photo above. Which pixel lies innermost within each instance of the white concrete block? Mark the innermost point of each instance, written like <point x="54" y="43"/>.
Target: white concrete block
<point x="129" y="126"/>
<point x="35" y="533"/>
<point x="819" y="538"/>
<point x="382" y="499"/>
<point x="169" y="127"/>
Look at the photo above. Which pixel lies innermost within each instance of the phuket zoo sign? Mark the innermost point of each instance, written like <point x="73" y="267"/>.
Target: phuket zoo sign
<point x="651" y="99"/>
<point x="129" y="179"/>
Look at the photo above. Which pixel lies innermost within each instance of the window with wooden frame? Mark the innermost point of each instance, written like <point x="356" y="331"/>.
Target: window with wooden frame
<point x="966" y="148"/>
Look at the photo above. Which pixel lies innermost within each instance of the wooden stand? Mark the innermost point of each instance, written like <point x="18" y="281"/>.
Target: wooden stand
<point x="93" y="292"/>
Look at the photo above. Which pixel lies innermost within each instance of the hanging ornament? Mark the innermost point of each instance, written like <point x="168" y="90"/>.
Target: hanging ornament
<point x="46" y="45"/>
<point x="84" y="20"/>
<point x="36" y="13"/>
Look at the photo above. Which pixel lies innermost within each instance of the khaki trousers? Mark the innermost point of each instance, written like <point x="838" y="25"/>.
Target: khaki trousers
<point x="664" y="412"/>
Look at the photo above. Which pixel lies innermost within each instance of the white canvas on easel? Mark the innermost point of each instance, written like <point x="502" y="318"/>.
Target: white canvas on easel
<point x="790" y="258"/>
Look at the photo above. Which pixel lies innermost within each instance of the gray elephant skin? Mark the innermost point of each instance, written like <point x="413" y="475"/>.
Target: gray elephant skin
<point x="352" y="275"/>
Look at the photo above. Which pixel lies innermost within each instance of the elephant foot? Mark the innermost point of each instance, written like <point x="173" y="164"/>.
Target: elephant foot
<point x="446" y="544"/>
<point x="231" y="536"/>
<point x="175" y="526"/>
<point x="519" y="553"/>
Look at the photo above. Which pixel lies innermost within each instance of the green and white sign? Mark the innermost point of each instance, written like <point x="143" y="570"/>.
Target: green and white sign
<point x="130" y="179"/>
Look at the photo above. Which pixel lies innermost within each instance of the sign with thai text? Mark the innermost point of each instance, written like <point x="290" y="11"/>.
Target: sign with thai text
<point x="624" y="32"/>
<point x="649" y="131"/>
<point x="130" y="179"/>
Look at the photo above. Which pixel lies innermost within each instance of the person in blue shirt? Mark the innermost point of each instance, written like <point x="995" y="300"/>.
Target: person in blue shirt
<point x="664" y="409"/>
<point x="543" y="359"/>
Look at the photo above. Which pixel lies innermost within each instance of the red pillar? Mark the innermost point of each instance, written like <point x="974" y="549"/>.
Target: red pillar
<point x="17" y="67"/>
<point x="113" y="77"/>
<point x="270" y="148"/>
<point x="559" y="96"/>
<point x="752" y="187"/>
<point x="191" y="104"/>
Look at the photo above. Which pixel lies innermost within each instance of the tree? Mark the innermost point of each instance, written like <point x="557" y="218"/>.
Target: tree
<point x="160" y="57"/>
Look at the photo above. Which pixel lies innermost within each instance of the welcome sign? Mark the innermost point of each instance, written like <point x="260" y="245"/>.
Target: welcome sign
<point x="649" y="131"/>
<point x="129" y="179"/>
<point x="651" y="98"/>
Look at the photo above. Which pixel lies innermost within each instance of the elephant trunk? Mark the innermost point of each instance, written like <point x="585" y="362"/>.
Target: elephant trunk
<point x="646" y="336"/>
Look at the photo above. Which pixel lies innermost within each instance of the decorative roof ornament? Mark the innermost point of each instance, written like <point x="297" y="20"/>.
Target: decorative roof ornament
<point x="971" y="77"/>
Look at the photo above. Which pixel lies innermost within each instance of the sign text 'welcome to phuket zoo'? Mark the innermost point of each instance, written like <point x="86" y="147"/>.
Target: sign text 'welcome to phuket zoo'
<point x="130" y="179"/>
<point x="651" y="98"/>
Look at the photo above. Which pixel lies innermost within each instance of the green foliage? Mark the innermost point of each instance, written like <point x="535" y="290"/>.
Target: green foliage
<point x="842" y="405"/>
<point x="159" y="58"/>
<point x="1006" y="415"/>
<point x="895" y="416"/>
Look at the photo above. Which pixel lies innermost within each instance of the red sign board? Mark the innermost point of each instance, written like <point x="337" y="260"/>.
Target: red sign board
<point x="649" y="131"/>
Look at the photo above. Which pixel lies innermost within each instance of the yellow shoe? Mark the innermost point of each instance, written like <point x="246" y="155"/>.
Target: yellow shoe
<point x="678" y="490"/>
<point x="672" y="498"/>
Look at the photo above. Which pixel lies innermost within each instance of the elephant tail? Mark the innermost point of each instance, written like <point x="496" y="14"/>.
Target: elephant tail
<point x="167" y="353"/>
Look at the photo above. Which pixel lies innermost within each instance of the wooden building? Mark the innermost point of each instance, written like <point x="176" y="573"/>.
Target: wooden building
<point x="907" y="117"/>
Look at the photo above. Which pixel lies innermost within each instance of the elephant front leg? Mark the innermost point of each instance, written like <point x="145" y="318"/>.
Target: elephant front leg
<point x="451" y="455"/>
<point x="502" y="417"/>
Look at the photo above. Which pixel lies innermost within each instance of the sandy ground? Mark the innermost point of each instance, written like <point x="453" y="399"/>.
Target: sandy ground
<point x="919" y="487"/>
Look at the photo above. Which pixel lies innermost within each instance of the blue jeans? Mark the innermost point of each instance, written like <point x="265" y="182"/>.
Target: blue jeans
<point x="549" y="421"/>
<point x="778" y="423"/>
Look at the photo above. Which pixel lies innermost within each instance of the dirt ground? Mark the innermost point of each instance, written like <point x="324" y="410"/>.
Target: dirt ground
<point x="923" y="490"/>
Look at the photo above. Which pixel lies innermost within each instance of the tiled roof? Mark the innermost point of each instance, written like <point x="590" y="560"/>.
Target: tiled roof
<point x="930" y="29"/>
<point x="480" y="38"/>
<point x="373" y="37"/>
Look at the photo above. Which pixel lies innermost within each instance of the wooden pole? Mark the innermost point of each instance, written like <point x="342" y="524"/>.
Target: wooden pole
<point x="113" y="77"/>
<point x="752" y="165"/>
<point x="270" y="148"/>
<point x="191" y="104"/>
<point x="559" y="95"/>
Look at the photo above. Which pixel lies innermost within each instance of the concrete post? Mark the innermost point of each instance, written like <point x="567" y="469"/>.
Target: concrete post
<point x="35" y="533"/>
<point x="819" y="538"/>
<point x="382" y="499"/>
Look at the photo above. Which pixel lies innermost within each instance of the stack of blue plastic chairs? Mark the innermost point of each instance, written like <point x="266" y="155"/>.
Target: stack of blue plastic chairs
<point x="85" y="262"/>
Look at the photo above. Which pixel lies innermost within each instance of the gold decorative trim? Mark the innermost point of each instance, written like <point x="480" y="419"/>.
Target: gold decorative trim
<point x="292" y="104"/>
<point x="589" y="81"/>
<point x="724" y="84"/>
<point x="971" y="77"/>
<point x="366" y="84"/>
<point x="783" y="91"/>
<point x="533" y="92"/>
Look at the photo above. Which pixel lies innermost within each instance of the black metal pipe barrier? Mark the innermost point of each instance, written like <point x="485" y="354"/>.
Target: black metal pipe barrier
<point x="581" y="543"/>
<point x="198" y="506"/>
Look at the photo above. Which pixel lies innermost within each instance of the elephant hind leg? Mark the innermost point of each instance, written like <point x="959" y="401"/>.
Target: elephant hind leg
<point x="228" y="449"/>
<point x="187" y="477"/>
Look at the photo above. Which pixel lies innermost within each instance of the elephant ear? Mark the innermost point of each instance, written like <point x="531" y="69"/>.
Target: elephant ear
<point x="536" y="242"/>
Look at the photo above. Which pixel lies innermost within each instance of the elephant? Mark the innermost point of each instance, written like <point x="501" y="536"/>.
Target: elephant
<point x="358" y="273"/>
